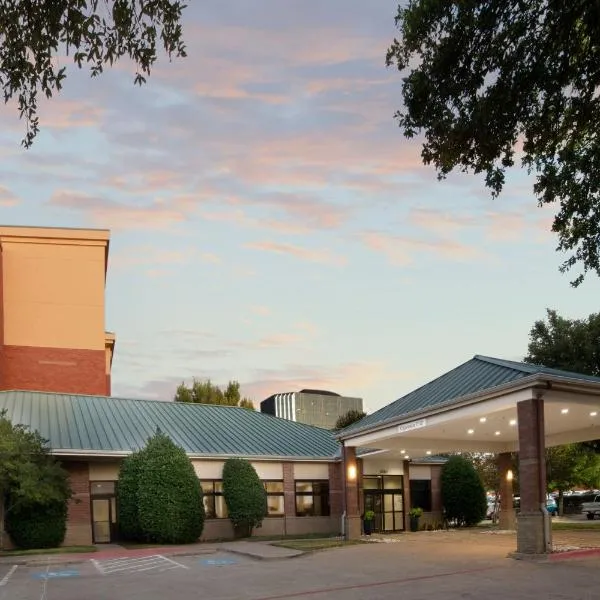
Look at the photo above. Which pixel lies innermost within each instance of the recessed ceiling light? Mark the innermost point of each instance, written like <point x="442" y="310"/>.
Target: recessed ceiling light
<point x="470" y="431"/>
<point x="402" y="451"/>
<point x="407" y="457"/>
<point x="428" y="452"/>
<point x="496" y="433"/>
<point x="512" y="422"/>
<point x="564" y="411"/>
<point x="483" y="419"/>
<point x="593" y="413"/>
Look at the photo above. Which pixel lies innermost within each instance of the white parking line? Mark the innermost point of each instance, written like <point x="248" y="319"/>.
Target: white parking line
<point x="5" y="579"/>
<point x="118" y="566"/>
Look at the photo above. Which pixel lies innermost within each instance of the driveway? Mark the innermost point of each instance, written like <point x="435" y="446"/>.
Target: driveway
<point x="434" y="565"/>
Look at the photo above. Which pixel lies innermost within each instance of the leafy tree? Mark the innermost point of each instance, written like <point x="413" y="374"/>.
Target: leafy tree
<point x="352" y="416"/>
<point x="483" y="77"/>
<point x="34" y="35"/>
<point x="168" y="495"/>
<point x="29" y="476"/>
<point x="463" y="495"/>
<point x="569" y="466"/>
<point x="569" y="344"/>
<point x="206" y="392"/>
<point x="245" y="496"/>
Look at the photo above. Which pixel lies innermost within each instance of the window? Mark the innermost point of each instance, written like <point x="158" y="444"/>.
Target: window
<point x="102" y="488"/>
<point x="275" y="505"/>
<point x="420" y="494"/>
<point x="214" y="502"/>
<point x="312" y="498"/>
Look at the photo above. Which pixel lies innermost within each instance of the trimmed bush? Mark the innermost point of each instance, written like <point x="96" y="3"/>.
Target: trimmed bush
<point x="127" y="499"/>
<point x="37" y="525"/>
<point x="463" y="495"/>
<point x="169" y="496"/>
<point x="245" y="496"/>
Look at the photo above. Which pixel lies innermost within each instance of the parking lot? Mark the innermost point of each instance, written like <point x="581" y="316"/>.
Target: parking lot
<point x="420" y="568"/>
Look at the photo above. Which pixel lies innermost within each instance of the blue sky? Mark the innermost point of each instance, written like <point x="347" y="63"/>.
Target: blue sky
<point x="269" y="221"/>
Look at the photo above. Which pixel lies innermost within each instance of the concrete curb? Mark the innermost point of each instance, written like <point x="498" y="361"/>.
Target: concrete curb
<point x="567" y="555"/>
<point x="262" y="557"/>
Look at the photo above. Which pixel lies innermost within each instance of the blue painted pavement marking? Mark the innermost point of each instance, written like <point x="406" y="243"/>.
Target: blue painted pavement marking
<point x="218" y="562"/>
<point x="55" y="574"/>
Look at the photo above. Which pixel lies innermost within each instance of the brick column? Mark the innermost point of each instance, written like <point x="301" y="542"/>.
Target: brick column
<point x="406" y="493"/>
<point x="353" y="524"/>
<point x="289" y="490"/>
<point x="534" y="533"/>
<point x="507" y="512"/>
<point x="79" y="518"/>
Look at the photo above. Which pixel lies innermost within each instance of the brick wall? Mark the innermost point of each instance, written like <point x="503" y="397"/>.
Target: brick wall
<point x="352" y="502"/>
<point x="108" y="386"/>
<point x="289" y="490"/>
<point x="79" y="519"/>
<point x="53" y="370"/>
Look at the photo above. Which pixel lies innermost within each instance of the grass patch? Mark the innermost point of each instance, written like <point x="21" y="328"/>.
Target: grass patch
<point x="307" y="545"/>
<point x="62" y="550"/>
<point x="576" y="526"/>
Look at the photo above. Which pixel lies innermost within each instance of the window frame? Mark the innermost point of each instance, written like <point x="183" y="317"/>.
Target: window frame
<point x="426" y="506"/>
<point x="214" y="494"/>
<point x="323" y="495"/>
<point x="280" y="494"/>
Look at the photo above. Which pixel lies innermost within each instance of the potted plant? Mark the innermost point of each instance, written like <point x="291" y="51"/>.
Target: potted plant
<point x="368" y="521"/>
<point x="415" y="515"/>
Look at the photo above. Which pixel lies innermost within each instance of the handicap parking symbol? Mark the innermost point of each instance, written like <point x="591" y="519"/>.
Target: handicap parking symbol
<point x="218" y="562"/>
<point x="55" y="574"/>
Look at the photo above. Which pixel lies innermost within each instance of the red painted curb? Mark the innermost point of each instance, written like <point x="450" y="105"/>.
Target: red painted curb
<point x="584" y="552"/>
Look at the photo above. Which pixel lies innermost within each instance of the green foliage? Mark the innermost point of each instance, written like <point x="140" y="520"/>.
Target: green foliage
<point x="160" y="498"/>
<point x="352" y="416"/>
<point x="415" y="512"/>
<point x="569" y="344"/>
<point x="463" y="496"/>
<point x="484" y="78"/>
<point x="127" y="498"/>
<point x="37" y="525"/>
<point x="572" y="465"/>
<point x="35" y="36"/>
<point x="206" y="392"/>
<point x="29" y="475"/>
<point x="369" y="515"/>
<point x="244" y="494"/>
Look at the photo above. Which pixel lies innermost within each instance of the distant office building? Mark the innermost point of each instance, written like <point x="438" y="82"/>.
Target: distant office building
<point x="313" y="407"/>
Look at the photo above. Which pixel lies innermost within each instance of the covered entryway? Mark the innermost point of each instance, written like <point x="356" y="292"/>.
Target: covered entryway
<point x="485" y="405"/>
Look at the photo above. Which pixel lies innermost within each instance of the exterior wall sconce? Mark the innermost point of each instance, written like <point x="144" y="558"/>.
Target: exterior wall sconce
<point x="351" y="472"/>
<point x="509" y="475"/>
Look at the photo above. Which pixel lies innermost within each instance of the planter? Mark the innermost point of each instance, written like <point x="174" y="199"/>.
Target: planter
<point x="414" y="523"/>
<point x="368" y="527"/>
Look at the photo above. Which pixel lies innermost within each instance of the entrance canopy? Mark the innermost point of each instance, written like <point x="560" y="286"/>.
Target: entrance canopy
<point x="473" y="408"/>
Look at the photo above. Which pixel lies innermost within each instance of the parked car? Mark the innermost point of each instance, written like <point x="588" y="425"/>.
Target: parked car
<point x="551" y="505"/>
<point x="591" y="509"/>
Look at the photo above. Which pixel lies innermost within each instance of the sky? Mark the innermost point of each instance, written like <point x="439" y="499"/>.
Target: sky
<point x="269" y="221"/>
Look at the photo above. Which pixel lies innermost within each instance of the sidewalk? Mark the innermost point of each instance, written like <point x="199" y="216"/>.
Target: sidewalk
<point x="256" y="550"/>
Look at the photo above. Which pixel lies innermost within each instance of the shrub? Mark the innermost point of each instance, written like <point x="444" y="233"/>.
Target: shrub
<point x="37" y="525"/>
<point x="463" y="495"/>
<point x="127" y="498"/>
<point x="245" y="496"/>
<point x="169" y="497"/>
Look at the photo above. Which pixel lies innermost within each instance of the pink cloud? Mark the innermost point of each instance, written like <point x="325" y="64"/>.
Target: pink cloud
<point x="441" y="222"/>
<point x="317" y="256"/>
<point x="402" y="251"/>
<point x="7" y="198"/>
<point x="158" y="214"/>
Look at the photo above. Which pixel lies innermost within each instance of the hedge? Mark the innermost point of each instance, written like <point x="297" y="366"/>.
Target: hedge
<point x="127" y="498"/>
<point x="37" y="525"/>
<point x="463" y="494"/>
<point x="245" y="496"/>
<point x="169" y="495"/>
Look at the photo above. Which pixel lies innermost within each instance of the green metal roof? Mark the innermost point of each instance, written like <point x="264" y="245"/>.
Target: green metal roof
<point x="477" y="375"/>
<point x="117" y="425"/>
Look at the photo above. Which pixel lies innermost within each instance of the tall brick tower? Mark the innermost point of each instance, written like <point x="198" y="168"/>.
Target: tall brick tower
<point x="52" y="335"/>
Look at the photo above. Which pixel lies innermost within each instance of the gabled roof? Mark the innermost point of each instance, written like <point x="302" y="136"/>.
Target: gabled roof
<point x="478" y="375"/>
<point x="97" y="424"/>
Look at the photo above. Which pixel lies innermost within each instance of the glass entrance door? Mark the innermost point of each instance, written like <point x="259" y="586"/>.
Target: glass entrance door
<point x="103" y="520"/>
<point x="383" y="495"/>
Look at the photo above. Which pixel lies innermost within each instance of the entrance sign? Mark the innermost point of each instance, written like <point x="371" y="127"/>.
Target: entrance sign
<point x="412" y="425"/>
